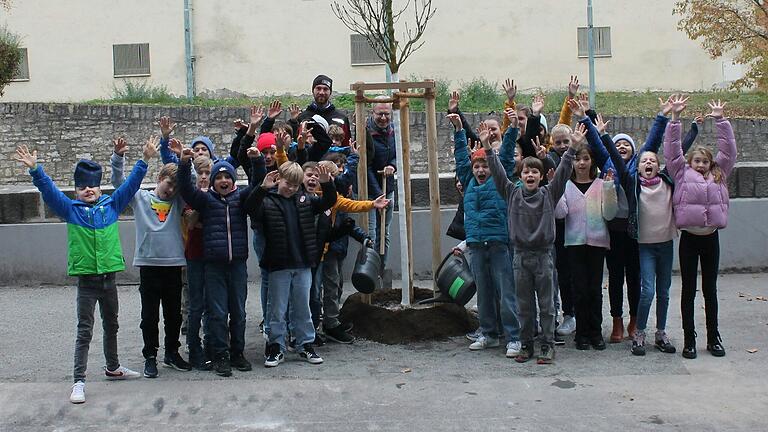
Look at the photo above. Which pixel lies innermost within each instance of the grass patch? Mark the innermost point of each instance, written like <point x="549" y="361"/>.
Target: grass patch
<point x="478" y="95"/>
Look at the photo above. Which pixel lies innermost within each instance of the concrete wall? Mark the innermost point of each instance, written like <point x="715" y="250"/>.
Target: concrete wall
<point x="64" y="133"/>
<point x="271" y="46"/>
<point x="38" y="252"/>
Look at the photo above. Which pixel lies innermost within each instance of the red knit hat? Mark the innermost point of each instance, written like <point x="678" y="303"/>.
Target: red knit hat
<point x="266" y="140"/>
<point x="478" y="154"/>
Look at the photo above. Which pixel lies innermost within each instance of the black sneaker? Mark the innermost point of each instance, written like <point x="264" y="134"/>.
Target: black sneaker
<point x="559" y="339"/>
<point x="547" y="355"/>
<point x="597" y="343"/>
<point x="526" y="353"/>
<point x="337" y="334"/>
<point x="638" y="343"/>
<point x="689" y="345"/>
<point x="174" y="361"/>
<point x="582" y="343"/>
<point x="150" y="368"/>
<point x="239" y="362"/>
<point x="663" y="344"/>
<point x="319" y="340"/>
<point x="222" y="367"/>
<point x="198" y="361"/>
<point x="308" y="354"/>
<point x="715" y="344"/>
<point x="347" y="326"/>
<point x="273" y="356"/>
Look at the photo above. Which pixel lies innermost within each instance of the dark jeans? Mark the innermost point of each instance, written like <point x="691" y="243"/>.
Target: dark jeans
<point x="695" y="248"/>
<point x="564" y="279"/>
<point x="316" y="295"/>
<point x="226" y="290"/>
<point x="332" y="288"/>
<point x="92" y="289"/>
<point x="623" y="259"/>
<point x="160" y="285"/>
<point x="587" y="271"/>
<point x="196" y="312"/>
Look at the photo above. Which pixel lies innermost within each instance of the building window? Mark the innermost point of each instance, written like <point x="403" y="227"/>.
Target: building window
<point x="362" y="53"/>
<point x="131" y="60"/>
<point x="22" y="74"/>
<point x="602" y="36"/>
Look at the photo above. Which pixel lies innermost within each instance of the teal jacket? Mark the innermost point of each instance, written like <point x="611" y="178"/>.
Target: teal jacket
<point x="485" y="210"/>
<point x="93" y="238"/>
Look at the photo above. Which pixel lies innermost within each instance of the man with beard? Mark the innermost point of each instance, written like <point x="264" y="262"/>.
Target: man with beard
<point x="319" y="115"/>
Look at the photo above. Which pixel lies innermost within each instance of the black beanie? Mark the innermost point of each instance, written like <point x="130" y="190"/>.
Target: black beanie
<point x="87" y="173"/>
<point x="322" y="80"/>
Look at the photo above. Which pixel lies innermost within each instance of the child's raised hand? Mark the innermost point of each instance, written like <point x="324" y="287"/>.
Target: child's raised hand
<point x="282" y="140"/>
<point x="323" y="175"/>
<point x="186" y="155"/>
<point x="175" y="146"/>
<point x="257" y="115"/>
<point x="579" y="133"/>
<point x="484" y="133"/>
<point x="380" y="202"/>
<point x="551" y="174"/>
<point x="453" y="102"/>
<point x="24" y="156"/>
<point x="119" y="146"/>
<point x="295" y="111"/>
<point x="151" y="148"/>
<point x="573" y="87"/>
<point x="253" y="153"/>
<point x="537" y="105"/>
<point x="512" y="117"/>
<point x="576" y="108"/>
<point x="601" y="125"/>
<point x="270" y="180"/>
<point x="665" y="106"/>
<point x="239" y="124"/>
<point x="584" y="101"/>
<point x="275" y="108"/>
<point x="455" y="120"/>
<point x="510" y="89"/>
<point x="678" y="105"/>
<point x="609" y="176"/>
<point x="541" y="151"/>
<point x="699" y="120"/>
<point x="353" y="149"/>
<point x="166" y="126"/>
<point x="717" y="108"/>
<point x="305" y="132"/>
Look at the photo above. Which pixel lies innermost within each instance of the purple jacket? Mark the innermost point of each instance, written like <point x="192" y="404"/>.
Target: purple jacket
<point x="699" y="201"/>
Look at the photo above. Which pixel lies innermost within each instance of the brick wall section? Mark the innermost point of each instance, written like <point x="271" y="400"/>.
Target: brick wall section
<point x="64" y="133"/>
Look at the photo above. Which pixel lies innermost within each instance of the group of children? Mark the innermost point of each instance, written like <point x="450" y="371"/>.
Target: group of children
<point x="546" y="204"/>
<point x="554" y="205"/>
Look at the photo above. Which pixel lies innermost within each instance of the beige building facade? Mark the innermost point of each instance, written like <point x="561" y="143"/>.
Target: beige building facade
<point x="81" y="49"/>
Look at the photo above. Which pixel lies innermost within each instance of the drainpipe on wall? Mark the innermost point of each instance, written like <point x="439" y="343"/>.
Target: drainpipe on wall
<point x="189" y="57"/>
<point x="591" y="44"/>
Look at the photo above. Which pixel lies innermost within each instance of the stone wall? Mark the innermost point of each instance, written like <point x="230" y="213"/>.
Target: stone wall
<point x="63" y="133"/>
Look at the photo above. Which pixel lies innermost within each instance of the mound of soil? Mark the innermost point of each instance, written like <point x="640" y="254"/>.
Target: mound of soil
<point x="386" y="321"/>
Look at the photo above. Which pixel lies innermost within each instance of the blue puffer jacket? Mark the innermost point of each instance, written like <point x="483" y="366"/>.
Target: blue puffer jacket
<point x="225" y="225"/>
<point x="485" y="211"/>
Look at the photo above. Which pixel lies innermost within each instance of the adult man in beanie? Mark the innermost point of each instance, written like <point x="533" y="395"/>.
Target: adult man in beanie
<point x="322" y="87"/>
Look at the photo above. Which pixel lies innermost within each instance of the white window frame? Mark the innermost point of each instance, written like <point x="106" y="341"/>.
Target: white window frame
<point x="23" y="67"/>
<point x="602" y="37"/>
<point x="360" y="49"/>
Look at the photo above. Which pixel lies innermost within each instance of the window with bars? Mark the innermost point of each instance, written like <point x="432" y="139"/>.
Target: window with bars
<point x="602" y="40"/>
<point x="362" y="53"/>
<point x="130" y="60"/>
<point x="22" y="74"/>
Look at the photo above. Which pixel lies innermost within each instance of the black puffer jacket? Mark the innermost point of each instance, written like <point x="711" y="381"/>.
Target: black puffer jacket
<point x="225" y="225"/>
<point x="263" y="206"/>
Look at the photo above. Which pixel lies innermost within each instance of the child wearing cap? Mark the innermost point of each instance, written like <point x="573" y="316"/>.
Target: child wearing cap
<point x="94" y="252"/>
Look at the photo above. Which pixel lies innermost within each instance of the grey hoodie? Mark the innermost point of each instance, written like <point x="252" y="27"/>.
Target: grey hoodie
<point x="531" y="216"/>
<point x="158" y="224"/>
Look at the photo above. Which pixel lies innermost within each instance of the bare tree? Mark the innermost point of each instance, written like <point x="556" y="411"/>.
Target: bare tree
<point x="376" y="20"/>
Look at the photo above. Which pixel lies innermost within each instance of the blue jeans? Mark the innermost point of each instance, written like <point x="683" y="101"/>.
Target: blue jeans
<point x="259" y="244"/>
<point x="656" y="277"/>
<point x="290" y="287"/>
<point x="373" y="226"/>
<point x="196" y="312"/>
<point x="491" y="265"/>
<point x="226" y="289"/>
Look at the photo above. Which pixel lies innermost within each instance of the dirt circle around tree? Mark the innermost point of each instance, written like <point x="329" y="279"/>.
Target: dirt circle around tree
<point x="386" y="321"/>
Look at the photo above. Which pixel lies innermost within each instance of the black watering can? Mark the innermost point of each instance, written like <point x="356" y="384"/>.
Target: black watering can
<point x="454" y="281"/>
<point x="365" y="276"/>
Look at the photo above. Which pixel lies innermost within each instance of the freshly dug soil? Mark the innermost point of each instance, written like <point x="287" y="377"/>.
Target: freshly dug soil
<point x="385" y="321"/>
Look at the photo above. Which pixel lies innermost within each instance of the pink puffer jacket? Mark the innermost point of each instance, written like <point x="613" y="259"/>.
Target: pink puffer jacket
<point x="698" y="200"/>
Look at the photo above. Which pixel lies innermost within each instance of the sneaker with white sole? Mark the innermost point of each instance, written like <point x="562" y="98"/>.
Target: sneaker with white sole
<point x="513" y="349"/>
<point x="273" y="355"/>
<point x="474" y="335"/>
<point x="484" y="342"/>
<point x="78" y="393"/>
<point x="308" y="353"/>
<point x="568" y="326"/>
<point x="120" y="373"/>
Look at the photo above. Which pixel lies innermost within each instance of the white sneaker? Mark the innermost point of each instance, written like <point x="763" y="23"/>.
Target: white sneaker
<point x="483" y="342"/>
<point x="78" y="393"/>
<point x="513" y="349"/>
<point x="120" y="373"/>
<point x="568" y="326"/>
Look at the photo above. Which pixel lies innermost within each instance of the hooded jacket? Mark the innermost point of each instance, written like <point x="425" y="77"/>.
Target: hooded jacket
<point x="170" y="157"/>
